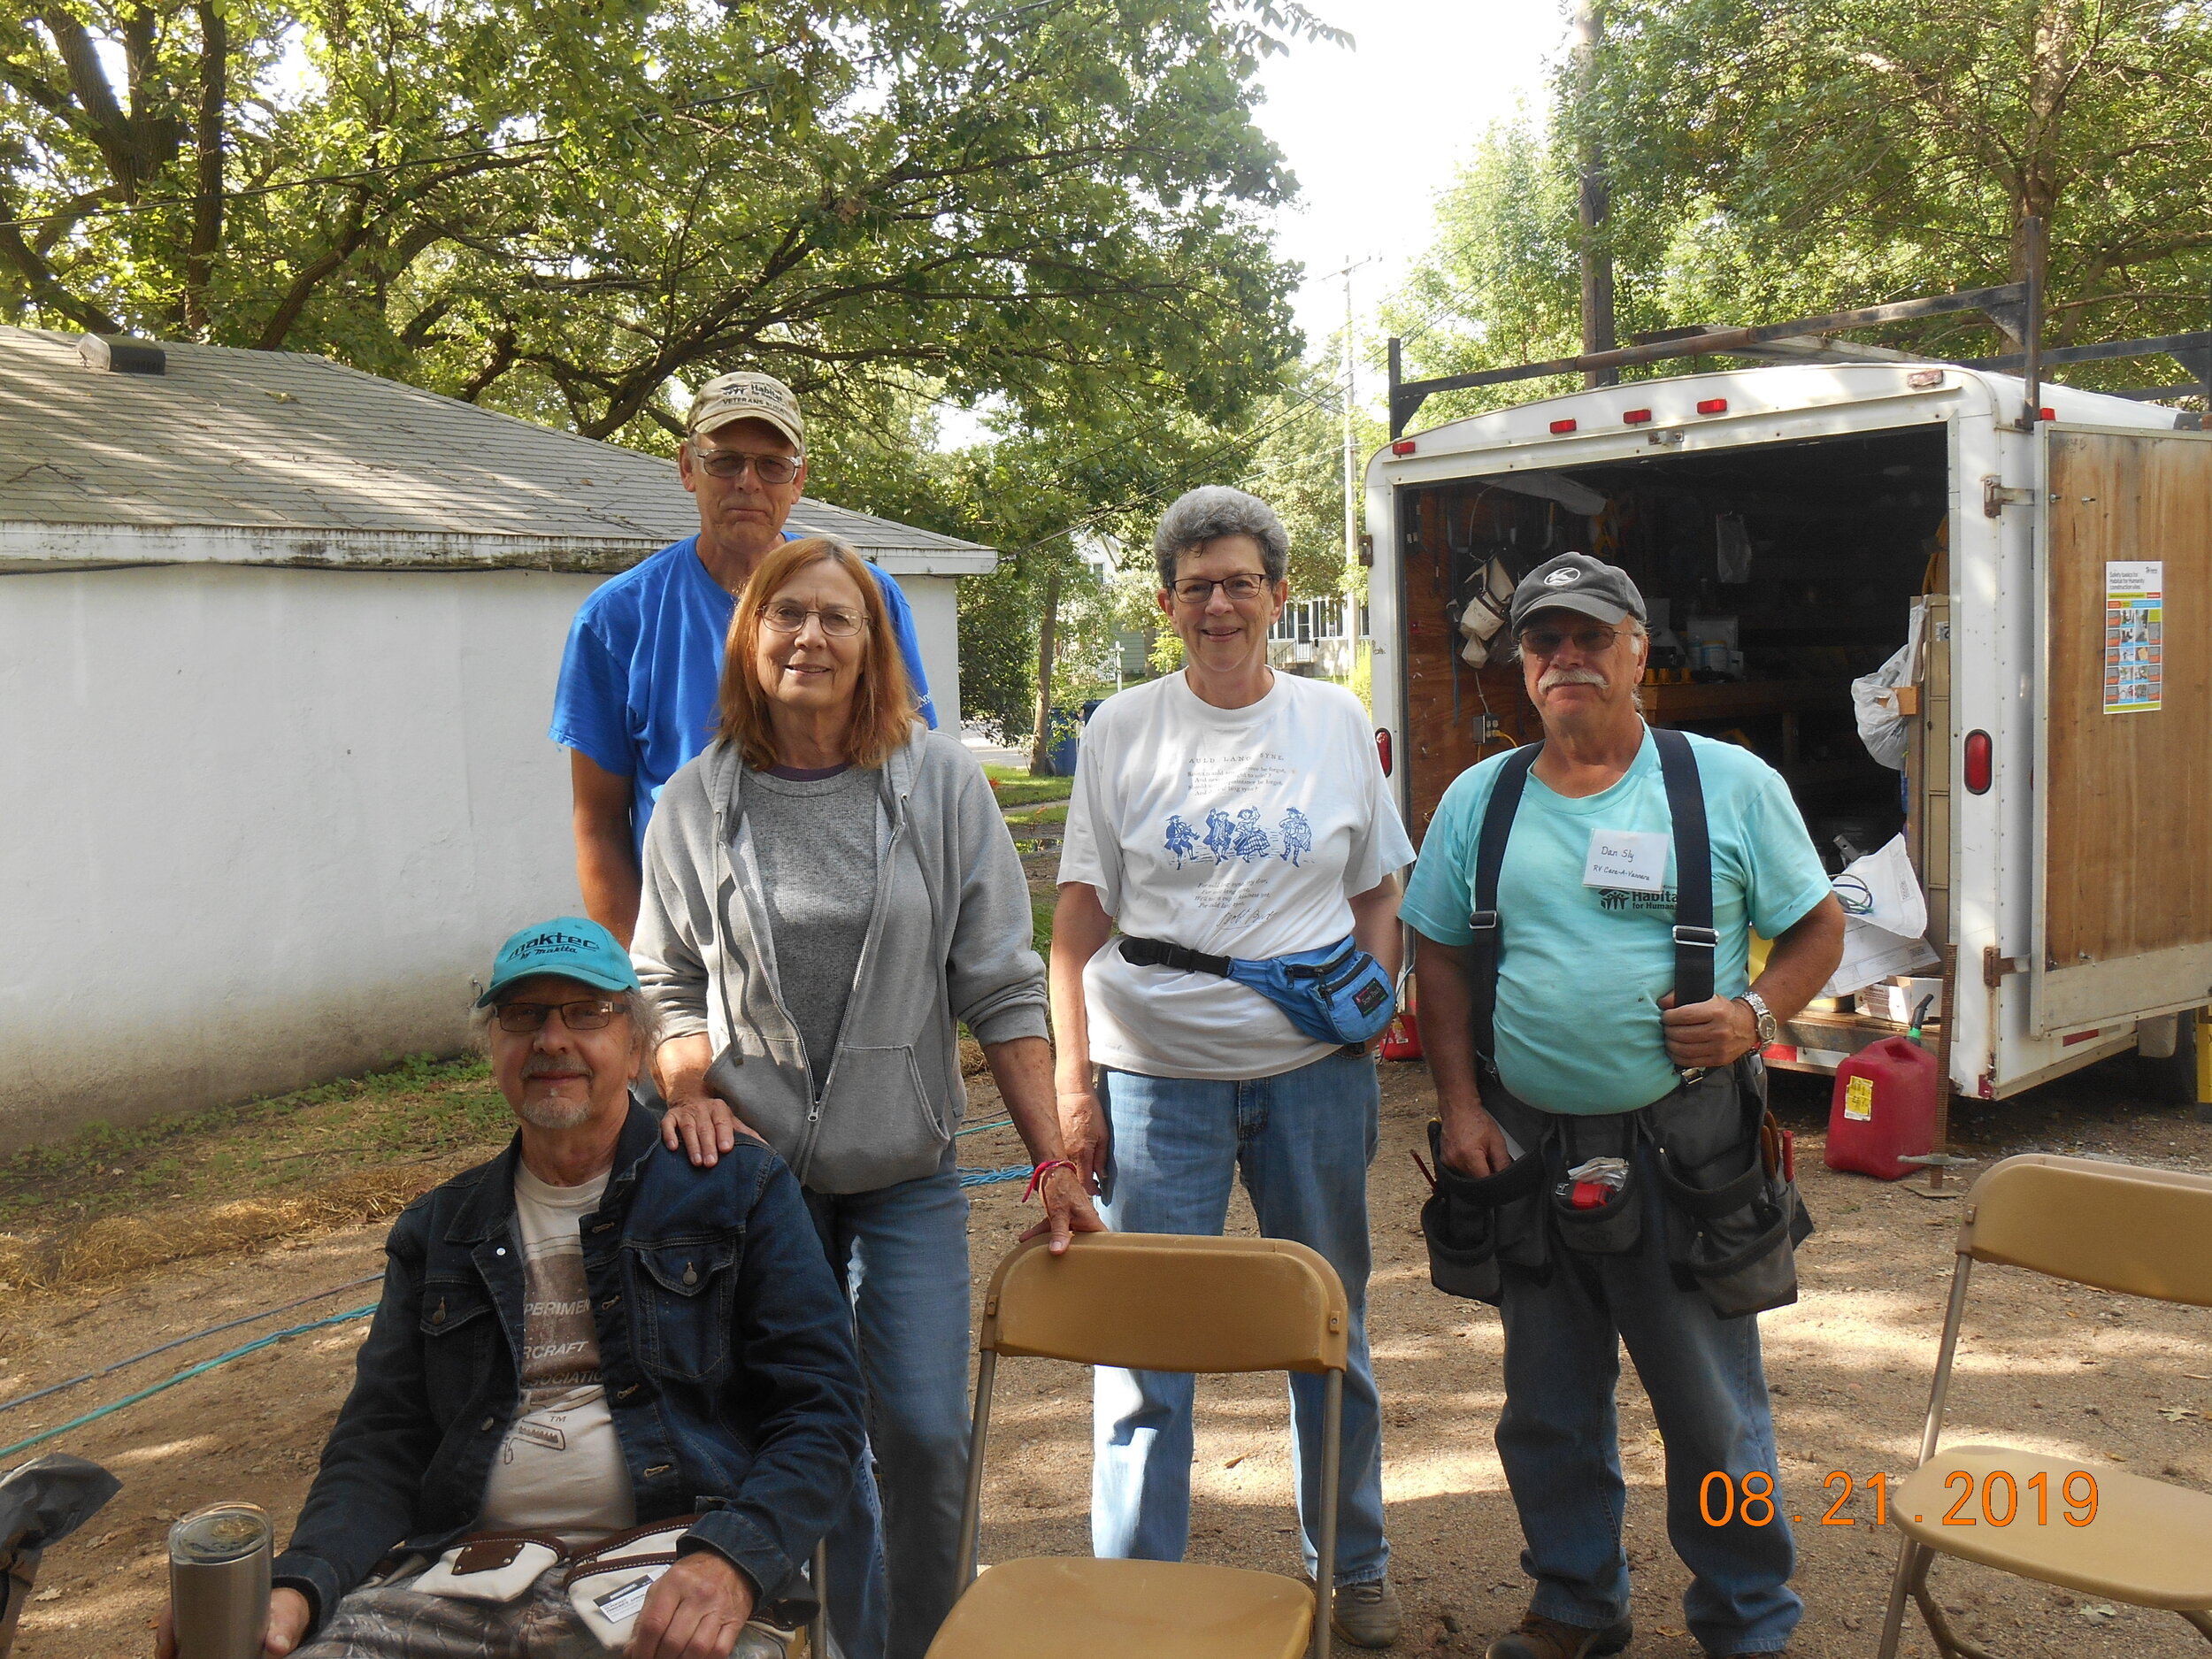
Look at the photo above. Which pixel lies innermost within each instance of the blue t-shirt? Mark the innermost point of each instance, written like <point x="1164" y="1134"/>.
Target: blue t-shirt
<point x="1581" y="968"/>
<point x="643" y="668"/>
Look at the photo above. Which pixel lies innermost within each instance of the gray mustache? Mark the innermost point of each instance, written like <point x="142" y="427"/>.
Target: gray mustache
<point x="1572" y="676"/>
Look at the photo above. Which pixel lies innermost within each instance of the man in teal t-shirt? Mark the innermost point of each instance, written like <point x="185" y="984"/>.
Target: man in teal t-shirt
<point x="1586" y="1030"/>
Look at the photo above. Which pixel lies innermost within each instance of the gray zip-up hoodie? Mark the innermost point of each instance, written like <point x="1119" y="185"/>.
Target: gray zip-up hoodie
<point x="949" y="940"/>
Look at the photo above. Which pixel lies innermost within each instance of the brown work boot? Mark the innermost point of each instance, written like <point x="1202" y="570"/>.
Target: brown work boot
<point x="1541" y="1638"/>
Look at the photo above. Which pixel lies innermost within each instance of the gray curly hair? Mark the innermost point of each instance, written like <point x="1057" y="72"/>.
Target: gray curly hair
<point x="1198" y="516"/>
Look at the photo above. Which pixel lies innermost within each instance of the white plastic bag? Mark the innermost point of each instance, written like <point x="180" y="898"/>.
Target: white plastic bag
<point x="1874" y="697"/>
<point x="1884" y="919"/>
<point x="1484" y="613"/>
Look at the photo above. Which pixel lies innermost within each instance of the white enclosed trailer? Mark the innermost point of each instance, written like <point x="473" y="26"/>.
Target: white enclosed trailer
<point x="2065" y="840"/>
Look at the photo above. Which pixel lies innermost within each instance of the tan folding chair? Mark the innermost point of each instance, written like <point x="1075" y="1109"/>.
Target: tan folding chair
<point x="2084" y="1527"/>
<point x="1153" y="1301"/>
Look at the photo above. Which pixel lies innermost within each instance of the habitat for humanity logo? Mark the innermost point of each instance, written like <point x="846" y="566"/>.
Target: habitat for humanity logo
<point x="1243" y="837"/>
<point x="1626" y="899"/>
<point x="552" y="945"/>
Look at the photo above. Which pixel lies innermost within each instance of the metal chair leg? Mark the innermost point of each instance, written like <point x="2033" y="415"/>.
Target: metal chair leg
<point x="1899" y="1587"/>
<point x="1948" y="1641"/>
<point x="818" y="1630"/>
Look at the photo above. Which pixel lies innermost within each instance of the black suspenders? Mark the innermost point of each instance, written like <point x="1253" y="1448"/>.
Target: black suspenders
<point x="1694" y="939"/>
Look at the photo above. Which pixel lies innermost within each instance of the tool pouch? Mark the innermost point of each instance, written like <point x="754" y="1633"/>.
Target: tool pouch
<point x="607" y="1589"/>
<point x="1615" y="1227"/>
<point x="1469" y="1222"/>
<point x="491" y="1566"/>
<point x="1737" y="1212"/>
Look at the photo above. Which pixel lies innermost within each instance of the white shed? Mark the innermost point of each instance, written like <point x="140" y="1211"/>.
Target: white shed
<point x="277" y="641"/>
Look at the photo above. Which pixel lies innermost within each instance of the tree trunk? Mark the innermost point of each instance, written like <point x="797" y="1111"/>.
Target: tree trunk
<point x="1593" y="202"/>
<point x="207" y="207"/>
<point x="1047" y="641"/>
<point x="2049" y="75"/>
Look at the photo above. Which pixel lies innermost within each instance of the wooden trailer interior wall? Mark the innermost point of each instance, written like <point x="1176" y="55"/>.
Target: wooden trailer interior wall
<point x="1451" y="531"/>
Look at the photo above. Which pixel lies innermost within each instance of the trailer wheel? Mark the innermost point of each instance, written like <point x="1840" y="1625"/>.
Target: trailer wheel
<point x="2172" y="1080"/>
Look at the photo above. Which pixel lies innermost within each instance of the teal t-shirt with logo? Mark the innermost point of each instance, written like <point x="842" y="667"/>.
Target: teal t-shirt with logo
<point x="1581" y="968"/>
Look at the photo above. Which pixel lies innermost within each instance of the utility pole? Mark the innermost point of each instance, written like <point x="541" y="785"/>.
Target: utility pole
<point x="1351" y="491"/>
<point x="1351" y="511"/>
<point x="1593" y="202"/>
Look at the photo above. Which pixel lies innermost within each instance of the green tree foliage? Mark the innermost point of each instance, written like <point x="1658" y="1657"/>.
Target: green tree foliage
<point x="1771" y="159"/>
<point x="560" y="209"/>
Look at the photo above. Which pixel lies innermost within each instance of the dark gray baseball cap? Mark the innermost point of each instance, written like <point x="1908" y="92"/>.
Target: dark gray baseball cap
<point x="1575" y="581"/>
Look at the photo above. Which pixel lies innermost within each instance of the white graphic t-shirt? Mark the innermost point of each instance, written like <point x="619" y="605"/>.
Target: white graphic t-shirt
<point x="1234" y="832"/>
<point x="560" y="1468"/>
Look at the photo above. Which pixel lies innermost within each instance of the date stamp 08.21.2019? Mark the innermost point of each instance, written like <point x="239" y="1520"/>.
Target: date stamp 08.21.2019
<point x="1723" y="1499"/>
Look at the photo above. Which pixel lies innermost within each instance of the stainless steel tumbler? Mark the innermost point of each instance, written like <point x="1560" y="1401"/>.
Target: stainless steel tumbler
<point x="219" y="1581"/>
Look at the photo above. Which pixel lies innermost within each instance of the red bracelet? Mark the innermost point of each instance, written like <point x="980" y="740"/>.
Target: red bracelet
<point x="1037" y="1175"/>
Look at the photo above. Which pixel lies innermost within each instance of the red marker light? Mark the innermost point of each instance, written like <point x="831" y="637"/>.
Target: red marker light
<point x="1382" y="748"/>
<point x="1637" y="417"/>
<point x="1980" y="762"/>
<point x="1563" y="427"/>
<point x="1712" y="405"/>
<point x="1404" y="446"/>
<point x="2046" y="414"/>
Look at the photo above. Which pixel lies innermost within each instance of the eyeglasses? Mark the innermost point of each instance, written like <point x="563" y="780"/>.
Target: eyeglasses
<point x="591" y="1014"/>
<point x="787" y="618"/>
<point x="727" y="463"/>
<point x="1198" y="591"/>
<point x="1547" y="641"/>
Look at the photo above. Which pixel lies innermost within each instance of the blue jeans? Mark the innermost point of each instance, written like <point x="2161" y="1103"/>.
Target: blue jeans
<point x="1559" y="1439"/>
<point x="902" y="1253"/>
<point x="1303" y="1142"/>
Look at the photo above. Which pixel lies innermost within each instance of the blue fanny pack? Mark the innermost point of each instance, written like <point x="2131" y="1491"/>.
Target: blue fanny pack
<point x="1338" y="993"/>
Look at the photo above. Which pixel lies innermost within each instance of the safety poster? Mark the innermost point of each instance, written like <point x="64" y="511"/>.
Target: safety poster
<point x="2134" y="655"/>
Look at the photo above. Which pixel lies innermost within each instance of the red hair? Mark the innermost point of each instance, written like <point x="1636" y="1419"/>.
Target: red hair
<point x="883" y="698"/>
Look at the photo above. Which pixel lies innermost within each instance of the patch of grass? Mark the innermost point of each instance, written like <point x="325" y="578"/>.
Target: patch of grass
<point x="1032" y="818"/>
<point x="1015" y="787"/>
<point x="1041" y="921"/>
<point x="422" y="1110"/>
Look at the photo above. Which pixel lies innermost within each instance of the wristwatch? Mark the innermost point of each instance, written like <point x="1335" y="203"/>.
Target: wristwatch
<point x="1770" y="1027"/>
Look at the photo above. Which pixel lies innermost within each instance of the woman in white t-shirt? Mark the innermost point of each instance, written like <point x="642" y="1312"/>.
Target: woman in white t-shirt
<point x="1233" y="812"/>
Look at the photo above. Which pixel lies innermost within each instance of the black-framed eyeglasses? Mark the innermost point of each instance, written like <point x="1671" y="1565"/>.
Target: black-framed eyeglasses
<point x="1589" y="641"/>
<point x="728" y="463"/>
<point x="1197" y="591"/>
<point x="785" y="617"/>
<point x="590" y="1013"/>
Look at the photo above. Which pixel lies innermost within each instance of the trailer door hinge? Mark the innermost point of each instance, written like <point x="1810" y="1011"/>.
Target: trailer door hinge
<point x="1994" y="967"/>
<point x="1997" y="496"/>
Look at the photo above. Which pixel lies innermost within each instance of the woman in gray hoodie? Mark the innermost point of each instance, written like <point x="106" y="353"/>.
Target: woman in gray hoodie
<point x="829" y="887"/>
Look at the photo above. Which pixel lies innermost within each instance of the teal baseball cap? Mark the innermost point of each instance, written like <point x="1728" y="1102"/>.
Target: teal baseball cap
<point x="570" y="946"/>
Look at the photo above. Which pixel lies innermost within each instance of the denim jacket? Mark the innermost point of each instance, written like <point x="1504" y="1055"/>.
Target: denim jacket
<point x="726" y="1345"/>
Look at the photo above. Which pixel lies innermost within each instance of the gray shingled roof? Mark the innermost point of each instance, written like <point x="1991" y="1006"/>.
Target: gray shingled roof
<point x="278" y="447"/>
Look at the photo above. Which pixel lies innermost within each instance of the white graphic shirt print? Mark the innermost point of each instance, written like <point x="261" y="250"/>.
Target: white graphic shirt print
<point x="560" y="1468"/>
<point x="1234" y="832"/>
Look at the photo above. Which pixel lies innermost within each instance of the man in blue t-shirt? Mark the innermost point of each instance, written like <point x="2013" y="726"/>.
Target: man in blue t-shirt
<point x="639" y="679"/>
<point x="1591" y="1058"/>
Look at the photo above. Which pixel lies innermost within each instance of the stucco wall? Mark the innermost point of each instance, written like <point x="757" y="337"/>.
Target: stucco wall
<point x="260" y="827"/>
<point x="935" y="600"/>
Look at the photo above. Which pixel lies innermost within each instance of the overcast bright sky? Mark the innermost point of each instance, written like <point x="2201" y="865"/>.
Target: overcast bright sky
<point x="1375" y="132"/>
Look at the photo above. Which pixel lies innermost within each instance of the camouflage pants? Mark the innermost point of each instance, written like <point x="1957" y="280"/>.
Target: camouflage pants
<point x="392" y="1621"/>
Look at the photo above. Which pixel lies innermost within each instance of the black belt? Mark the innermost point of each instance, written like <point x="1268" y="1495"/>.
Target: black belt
<point x="1158" y="953"/>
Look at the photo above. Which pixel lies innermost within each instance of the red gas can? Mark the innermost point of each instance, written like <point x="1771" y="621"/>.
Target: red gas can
<point x="1885" y="1109"/>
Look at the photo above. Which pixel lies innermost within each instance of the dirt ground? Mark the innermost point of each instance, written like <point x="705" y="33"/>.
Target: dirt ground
<point x="2069" y="1371"/>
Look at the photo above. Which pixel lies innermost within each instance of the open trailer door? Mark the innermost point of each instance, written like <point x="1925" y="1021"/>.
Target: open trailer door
<point x="2123" y="805"/>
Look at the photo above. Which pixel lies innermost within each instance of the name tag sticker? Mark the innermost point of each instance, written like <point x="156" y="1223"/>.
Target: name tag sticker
<point x="1634" y="859"/>
<point x="625" y="1599"/>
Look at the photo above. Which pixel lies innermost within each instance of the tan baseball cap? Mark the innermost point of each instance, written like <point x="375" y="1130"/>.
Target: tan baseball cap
<point x="749" y="396"/>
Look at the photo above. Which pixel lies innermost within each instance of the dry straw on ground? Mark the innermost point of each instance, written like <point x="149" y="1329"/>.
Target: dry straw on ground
<point x="115" y="1245"/>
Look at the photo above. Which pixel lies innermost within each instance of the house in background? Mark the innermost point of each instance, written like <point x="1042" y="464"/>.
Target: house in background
<point x="278" y="642"/>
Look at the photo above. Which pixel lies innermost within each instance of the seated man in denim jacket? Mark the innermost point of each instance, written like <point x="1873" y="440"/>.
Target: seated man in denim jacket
<point x="585" y="1335"/>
